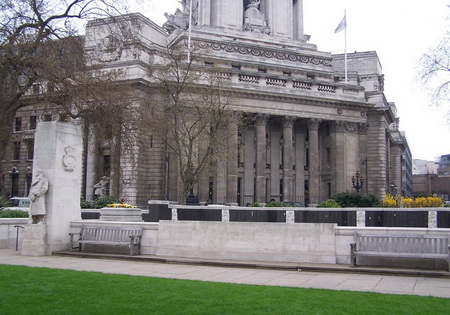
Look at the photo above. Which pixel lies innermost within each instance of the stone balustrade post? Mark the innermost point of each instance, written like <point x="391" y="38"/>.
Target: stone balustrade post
<point x="225" y="215"/>
<point x="361" y="218"/>
<point x="432" y="219"/>
<point x="174" y="214"/>
<point x="290" y="216"/>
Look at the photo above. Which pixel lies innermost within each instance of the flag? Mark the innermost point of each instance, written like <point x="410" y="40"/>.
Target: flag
<point x="341" y="25"/>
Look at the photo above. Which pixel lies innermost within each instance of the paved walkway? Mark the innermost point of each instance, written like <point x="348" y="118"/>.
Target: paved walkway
<point x="390" y="284"/>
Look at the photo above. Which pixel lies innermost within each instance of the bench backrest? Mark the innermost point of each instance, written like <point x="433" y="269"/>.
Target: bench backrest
<point x="431" y="244"/>
<point x="108" y="233"/>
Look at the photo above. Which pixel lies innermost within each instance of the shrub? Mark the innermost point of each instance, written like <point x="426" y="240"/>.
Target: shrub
<point x="434" y="201"/>
<point x="356" y="200"/>
<point x="330" y="203"/>
<point x="390" y="201"/>
<point x="255" y="204"/>
<point x="4" y="203"/>
<point x="406" y="202"/>
<point x="98" y="203"/>
<point x="13" y="214"/>
<point x="277" y="204"/>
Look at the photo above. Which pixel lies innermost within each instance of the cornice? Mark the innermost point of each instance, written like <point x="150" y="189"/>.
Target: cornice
<point x="263" y="52"/>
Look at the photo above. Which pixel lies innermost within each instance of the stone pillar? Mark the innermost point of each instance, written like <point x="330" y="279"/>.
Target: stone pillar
<point x="260" y="193"/>
<point x="395" y="177"/>
<point x="314" y="172"/>
<point x="249" y="166"/>
<point x="288" y="157"/>
<point x="57" y="154"/>
<point x="227" y="14"/>
<point x="232" y="164"/>
<point x="337" y="157"/>
<point x="376" y="154"/>
<point x="300" y="156"/>
<point x="279" y="14"/>
<point x="298" y="21"/>
<point x="204" y="12"/>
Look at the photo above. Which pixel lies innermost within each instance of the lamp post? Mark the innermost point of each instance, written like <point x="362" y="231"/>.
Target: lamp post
<point x="393" y="189"/>
<point x="357" y="181"/>
<point x="14" y="172"/>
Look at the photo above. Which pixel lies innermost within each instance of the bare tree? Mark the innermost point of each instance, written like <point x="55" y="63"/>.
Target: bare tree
<point x="40" y="48"/>
<point x="190" y="111"/>
<point x="435" y="71"/>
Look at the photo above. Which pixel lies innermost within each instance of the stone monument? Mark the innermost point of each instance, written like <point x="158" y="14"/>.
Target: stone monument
<point x="56" y="188"/>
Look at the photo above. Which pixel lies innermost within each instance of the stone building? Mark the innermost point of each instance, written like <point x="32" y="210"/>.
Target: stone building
<point x="313" y="130"/>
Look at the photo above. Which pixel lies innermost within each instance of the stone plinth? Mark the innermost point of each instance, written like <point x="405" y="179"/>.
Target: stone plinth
<point x="57" y="154"/>
<point x="121" y="214"/>
<point x="34" y="240"/>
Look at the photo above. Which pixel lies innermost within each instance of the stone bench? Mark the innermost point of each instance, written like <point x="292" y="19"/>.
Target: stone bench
<point x="108" y="235"/>
<point x="400" y="246"/>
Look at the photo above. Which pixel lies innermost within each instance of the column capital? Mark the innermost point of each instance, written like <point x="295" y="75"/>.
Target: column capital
<point x="337" y="126"/>
<point x="314" y="123"/>
<point x="261" y="119"/>
<point x="288" y="121"/>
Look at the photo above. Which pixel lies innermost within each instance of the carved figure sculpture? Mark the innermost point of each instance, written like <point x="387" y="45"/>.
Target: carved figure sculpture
<point x="38" y="190"/>
<point x="101" y="187"/>
<point x="255" y="20"/>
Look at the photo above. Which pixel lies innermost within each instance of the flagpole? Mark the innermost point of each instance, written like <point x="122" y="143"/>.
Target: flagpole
<point x="345" y="53"/>
<point x="190" y="29"/>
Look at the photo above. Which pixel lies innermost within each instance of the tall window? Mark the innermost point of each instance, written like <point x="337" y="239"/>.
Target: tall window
<point x="33" y="122"/>
<point x="18" y="125"/>
<point x="16" y="151"/>
<point x="30" y="149"/>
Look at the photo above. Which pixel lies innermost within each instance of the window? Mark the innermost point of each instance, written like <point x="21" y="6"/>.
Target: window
<point x="209" y="64"/>
<point x="235" y="67"/>
<point x="262" y="70"/>
<point x="36" y="89"/>
<point x="30" y="149"/>
<point x="18" y="126"/>
<point x="63" y="117"/>
<point x="50" y="87"/>
<point x="33" y="121"/>
<point x="16" y="151"/>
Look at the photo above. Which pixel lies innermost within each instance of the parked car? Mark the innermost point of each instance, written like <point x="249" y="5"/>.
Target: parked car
<point x="19" y="203"/>
<point x="294" y="203"/>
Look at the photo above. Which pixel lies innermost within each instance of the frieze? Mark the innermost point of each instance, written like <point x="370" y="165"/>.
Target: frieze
<point x="345" y="126"/>
<point x="260" y="52"/>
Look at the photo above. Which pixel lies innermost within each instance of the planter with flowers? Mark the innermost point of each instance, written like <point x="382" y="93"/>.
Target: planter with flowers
<point x="122" y="212"/>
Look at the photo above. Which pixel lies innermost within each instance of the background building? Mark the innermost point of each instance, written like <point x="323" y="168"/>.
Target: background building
<point x="311" y="130"/>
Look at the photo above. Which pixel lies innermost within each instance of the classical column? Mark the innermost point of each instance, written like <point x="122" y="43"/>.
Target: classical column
<point x="232" y="163"/>
<point x="288" y="152"/>
<point x="261" y="160"/>
<point x="338" y="162"/>
<point x="314" y="172"/>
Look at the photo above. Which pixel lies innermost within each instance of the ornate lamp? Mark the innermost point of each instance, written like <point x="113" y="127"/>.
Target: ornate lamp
<point x="357" y="181"/>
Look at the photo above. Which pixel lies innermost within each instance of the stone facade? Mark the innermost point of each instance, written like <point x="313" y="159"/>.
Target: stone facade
<point x="312" y="132"/>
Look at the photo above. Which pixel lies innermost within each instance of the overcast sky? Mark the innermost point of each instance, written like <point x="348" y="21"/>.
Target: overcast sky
<point x="400" y="31"/>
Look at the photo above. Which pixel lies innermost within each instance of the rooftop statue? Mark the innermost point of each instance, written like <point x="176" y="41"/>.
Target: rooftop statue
<point x="180" y="20"/>
<point x="255" y="20"/>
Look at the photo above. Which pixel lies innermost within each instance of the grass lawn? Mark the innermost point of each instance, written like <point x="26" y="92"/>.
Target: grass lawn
<point x="26" y="290"/>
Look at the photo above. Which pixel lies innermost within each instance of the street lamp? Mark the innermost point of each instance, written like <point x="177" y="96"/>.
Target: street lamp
<point x="393" y="188"/>
<point x="14" y="172"/>
<point x="357" y="181"/>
